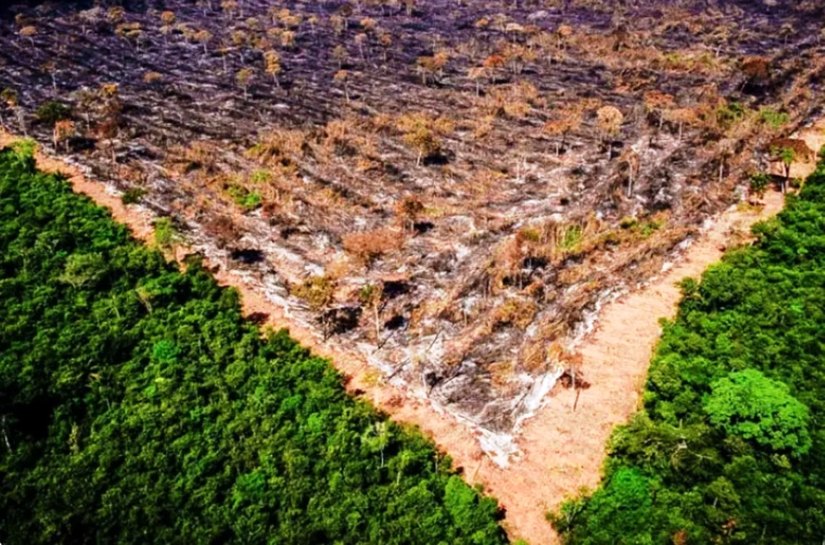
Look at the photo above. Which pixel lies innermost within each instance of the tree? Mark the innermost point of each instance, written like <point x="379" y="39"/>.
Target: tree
<point x="272" y="65"/>
<point x="787" y="155"/>
<point x="287" y="39"/>
<point x="292" y="21"/>
<point x="564" y="33"/>
<point x="774" y="119"/>
<point x="725" y="447"/>
<point x="371" y="296"/>
<point x="203" y="37"/>
<point x="408" y="210"/>
<point x="166" y="235"/>
<point x="619" y="512"/>
<point x="759" y="183"/>
<point x="476" y="74"/>
<point x="317" y="291"/>
<point x="88" y="17"/>
<point x="29" y="32"/>
<point x="756" y="70"/>
<point x="517" y="55"/>
<point x="338" y="23"/>
<point x="239" y="38"/>
<point x="360" y="40"/>
<point x="224" y="49"/>
<point x="244" y="78"/>
<point x="229" y="7"/>
<point x="116" y="15"/>
<point x="422" y="133"/>
<point x="681" y="117"/>
<point x="50" y="67"/>
<point x="788" y="151"/>
<point x="432" y="66"/>
<point x="610" y="121"/>
<point x="63" y="131"/>
<point x="108" y="109"/>
<point x="342" y="77"/>
<point x="151" y="77"/>
<point x="8" y="97"/>
<point x="180" y="413"/>
<point x="368" y="24"/>
<point x="369" y="245"/>
<point x="657" y="103"/>
<point x="167" y="19"/>
<point x="132" y="32"/>
<point x="752" y="406"/>
<point x="385" y="41"/>
<point x="632" y="161"/>
<point x="726" y="149"/>
<point x="52" y="111"/>
<point x="562" y="125"/>
<point x="377" y="438"/>
<point x="339" y="54"/>
<point x="423" y="140"/>
<point x="83" y="269"/>
<point x="493" y="63"/>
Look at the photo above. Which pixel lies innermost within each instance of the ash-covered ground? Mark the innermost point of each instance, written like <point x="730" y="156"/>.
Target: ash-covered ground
<point x="448" y="189"/>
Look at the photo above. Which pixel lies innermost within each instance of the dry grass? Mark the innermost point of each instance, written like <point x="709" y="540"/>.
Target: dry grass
<point x="369" y="245"/>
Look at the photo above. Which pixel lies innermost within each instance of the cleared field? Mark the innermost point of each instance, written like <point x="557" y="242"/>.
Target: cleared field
<point x="446" y="190"/>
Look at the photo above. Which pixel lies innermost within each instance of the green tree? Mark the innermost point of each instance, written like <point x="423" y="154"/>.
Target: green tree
<point x="166" y="235"/>
<point x="759" y="183"/>
<point x="82" y="269"/>
<point x="754" y="407"/>
<point x="619" y="513"/>
<point x="787" y="156"/>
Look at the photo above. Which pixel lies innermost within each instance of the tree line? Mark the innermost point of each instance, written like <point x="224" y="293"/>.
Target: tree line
<point x="729" y="445"/>
<point x="138" y="406"/>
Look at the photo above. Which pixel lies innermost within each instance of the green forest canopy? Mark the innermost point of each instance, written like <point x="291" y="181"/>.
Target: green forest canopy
<point x="730" y="446"/>
<point x="137" y="406"/>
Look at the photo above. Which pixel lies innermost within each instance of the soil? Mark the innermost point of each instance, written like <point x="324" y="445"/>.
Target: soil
<point x="564" y="444"/>
<point x="561" y="153"/>
<point x="562" y="447"/>
<point x="512" y="259"/>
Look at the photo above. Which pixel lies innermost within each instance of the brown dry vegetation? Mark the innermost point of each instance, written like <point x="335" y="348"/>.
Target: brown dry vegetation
<point x="495" y="168"/>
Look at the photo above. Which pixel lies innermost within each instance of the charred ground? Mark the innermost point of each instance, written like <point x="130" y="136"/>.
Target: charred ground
<point x="448" y="189"/>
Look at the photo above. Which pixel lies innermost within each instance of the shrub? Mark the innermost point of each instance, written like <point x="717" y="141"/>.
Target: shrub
<point x="369" y="245"/>
<point x="52" y="111"/>
<point x="774" y="119"/>
<point x="246" y="199"/>
<point x="759" y="183"/>
<point x="166" y="235"/>
<point x="318" y="291"/>
<point x="132" y="195"/>
<point x="517" y="312"/>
